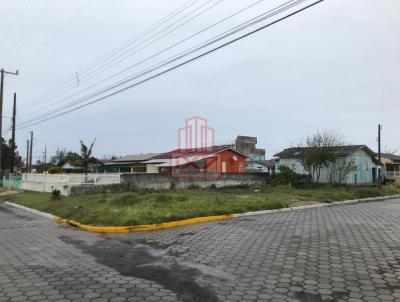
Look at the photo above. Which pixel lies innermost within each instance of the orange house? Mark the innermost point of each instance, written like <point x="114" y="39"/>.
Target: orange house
<point x="202" y="160"/>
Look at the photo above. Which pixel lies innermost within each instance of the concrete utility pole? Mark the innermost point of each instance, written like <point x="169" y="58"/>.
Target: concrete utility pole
<point x="12" y="159"/>
<point x="30" y="153"/>
<point x="45" y="155"/>
<point x="379" y="142"/>
<point x="27" y="156"/>
<point x="2" y="72"/>
<point x="379" y="151"/>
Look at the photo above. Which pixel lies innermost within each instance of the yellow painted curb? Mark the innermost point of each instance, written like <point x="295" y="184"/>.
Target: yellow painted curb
<point x="144" y="227"/>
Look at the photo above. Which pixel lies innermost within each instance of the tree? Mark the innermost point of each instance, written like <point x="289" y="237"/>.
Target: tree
<point x="339" y="170"/>
<point x="59" y="157"/>
<point x="320" y="151"/>
<point x="6" y="156"/>
<point x="86" y="154"/>
<point x="73" y="158"/>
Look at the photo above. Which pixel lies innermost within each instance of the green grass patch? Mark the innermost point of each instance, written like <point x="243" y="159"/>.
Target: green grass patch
<point x="149" y="207"/>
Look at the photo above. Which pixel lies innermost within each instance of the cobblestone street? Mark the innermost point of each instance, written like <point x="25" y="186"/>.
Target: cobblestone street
<point x="338" y="253"/>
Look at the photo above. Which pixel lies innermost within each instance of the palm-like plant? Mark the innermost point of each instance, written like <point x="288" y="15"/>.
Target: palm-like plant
<point x="86" y="154"/>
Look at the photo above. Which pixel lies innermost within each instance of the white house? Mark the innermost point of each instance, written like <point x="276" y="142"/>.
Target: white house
<point x="365" y="168"/>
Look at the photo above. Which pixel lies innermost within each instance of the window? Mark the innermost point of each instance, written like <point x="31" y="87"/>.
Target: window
<point x="241" y="165"/>
<point x="365" y="165"/>
<point x="353" y="165"/>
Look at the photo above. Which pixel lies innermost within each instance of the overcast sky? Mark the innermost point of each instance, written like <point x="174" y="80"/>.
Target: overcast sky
<point x="333" y="67"/>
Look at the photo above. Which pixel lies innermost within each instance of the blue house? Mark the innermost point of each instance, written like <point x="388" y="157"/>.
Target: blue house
<point x="356" y="164"/>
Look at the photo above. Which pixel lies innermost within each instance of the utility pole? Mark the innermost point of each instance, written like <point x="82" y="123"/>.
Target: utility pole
<point x="2" y="72"/>
<point x="379" y="151"/>
<point x="379" y="142"/>
<point x="12" y="159"/>
<point x="30" y="153"/>
<point x="27" y="156"/>
<point x="45" y="155"/>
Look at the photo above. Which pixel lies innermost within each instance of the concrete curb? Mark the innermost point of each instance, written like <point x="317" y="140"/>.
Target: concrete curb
<point x="172" y="224"/>
<point x="30" y="210"/>
<point x="352" y="201"/>
<point x="123" y="229"/>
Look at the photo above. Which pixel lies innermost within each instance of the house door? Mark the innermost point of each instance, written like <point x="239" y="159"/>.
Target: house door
<point x="224" y="167"/>
<point x="373" y="175"/>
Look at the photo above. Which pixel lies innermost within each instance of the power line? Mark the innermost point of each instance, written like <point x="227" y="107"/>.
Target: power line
<point x="167" y="62"/>
<point x="126" y="44"/>
<point x="258" y="18"/>
<point x="73" y="85"/>
<point x="238" y="28"/>
<point x="147" y="45"/>
<point x="129" y="53"/>
<point x="141" y="35"/>
<point x="35" y="21"/>
<point x="61" y="28"/>
<point x="178" y="65"/>
<point x="22" y="12"/>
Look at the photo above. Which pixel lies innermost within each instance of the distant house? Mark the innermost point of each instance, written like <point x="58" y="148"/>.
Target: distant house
<point x="127" y="164"/>
<point x="94" y="165"/>
<point x="263" y="166"/>
<point x="198" y="160"/>
<point x="392" y="165"/>
<point x="70" y="168"/>
<point x="365" y="168"/>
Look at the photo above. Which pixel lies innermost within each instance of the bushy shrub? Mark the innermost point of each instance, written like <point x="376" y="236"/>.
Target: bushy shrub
<point x="289" y="177"/>
<point x="54" y="170"/>
<point x="55" y="194"/>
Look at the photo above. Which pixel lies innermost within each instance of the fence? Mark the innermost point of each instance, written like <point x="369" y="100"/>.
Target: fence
<point x="392" y="174"/>
<point x="69" y="184"/>
<point x="63" y="182"/>
<point x="161" y="181"/>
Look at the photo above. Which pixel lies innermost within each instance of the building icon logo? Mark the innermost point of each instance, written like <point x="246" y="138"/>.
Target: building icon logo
<point x="196" y="145"/>
<point x="196" y="134"/>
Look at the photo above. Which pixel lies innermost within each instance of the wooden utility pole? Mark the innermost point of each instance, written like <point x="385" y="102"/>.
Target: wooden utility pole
<point x="2" y="73"/>
<point x="12" y="159"/>
<point x="30" y="153"/>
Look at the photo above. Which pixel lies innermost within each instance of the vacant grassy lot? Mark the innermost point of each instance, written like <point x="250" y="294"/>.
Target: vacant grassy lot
<point x="149" y="207"/>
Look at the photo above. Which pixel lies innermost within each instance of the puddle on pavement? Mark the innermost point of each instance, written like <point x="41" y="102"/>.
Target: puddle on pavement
<point x="150" y="262"/>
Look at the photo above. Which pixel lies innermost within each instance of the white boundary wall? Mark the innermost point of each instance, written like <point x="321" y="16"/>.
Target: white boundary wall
<point x="63" y="182"/>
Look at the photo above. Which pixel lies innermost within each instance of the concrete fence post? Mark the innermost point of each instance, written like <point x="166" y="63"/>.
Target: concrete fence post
<point x="9" y="182"/>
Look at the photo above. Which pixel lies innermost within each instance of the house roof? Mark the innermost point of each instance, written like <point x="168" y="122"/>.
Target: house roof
<point x="195" y="152"/>
<point x="266" y="163"/>
<point x="135" y="157"/>
<point x="342" y="150"/>
<point x="390" y="156"/>
<point x="181" y="157"/>
<point x="180" y="161"/>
